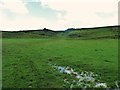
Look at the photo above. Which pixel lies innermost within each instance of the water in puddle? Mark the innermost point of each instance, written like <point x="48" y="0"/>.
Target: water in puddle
<point x="83" y="80"/>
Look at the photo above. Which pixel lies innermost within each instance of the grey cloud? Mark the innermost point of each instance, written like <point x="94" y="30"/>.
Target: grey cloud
<point x="106" y="14"/>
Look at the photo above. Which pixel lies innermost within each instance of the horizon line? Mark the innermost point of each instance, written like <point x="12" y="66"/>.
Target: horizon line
<point x="61" y="30"/>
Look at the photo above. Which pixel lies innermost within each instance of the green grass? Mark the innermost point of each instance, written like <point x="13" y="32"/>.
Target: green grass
<point x="26" y="61"/>
<point x="94" y="33"/>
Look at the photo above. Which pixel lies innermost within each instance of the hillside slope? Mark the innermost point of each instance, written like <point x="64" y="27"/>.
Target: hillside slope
<point x="84" y="33"/>
<point x="95" y="33"/>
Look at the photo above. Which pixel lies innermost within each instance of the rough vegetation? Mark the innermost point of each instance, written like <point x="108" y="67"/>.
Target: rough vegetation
<point x="85" y="33"/>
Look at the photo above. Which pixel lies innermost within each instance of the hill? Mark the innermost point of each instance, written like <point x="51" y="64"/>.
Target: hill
<point x="83" y="33"/>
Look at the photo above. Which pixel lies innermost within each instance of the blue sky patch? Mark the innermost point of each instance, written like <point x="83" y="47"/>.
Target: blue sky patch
<point x="38" y="10"/>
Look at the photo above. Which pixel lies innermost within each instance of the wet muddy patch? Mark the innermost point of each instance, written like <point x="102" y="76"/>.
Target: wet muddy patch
<point x="82" y="79"/>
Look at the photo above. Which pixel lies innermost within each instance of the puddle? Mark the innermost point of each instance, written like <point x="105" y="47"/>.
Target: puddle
<point x="82" y="80"/>
<point x="101" y="84"/>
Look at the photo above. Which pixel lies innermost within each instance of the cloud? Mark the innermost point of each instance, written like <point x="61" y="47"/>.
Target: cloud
<point x="56" y="14"/>
<point x="22" y="23"/>
<point x="106" y="14"/>
<point x="84" y="12"/>
<point x="15" y="6"/>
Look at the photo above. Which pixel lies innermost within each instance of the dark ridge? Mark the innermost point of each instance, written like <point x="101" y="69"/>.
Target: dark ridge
<point x="100" y="27"/>
<point x="69" y="29"/>
<point x="93" y="28"/>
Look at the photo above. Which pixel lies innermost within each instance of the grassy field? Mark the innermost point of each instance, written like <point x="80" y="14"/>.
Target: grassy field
<point x="26" y="61"/>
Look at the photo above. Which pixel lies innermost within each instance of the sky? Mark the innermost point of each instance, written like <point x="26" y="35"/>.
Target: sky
<point x="57" y="14"/>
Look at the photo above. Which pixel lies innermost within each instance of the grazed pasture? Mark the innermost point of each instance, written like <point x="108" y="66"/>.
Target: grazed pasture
<point x="26" y="61"/>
